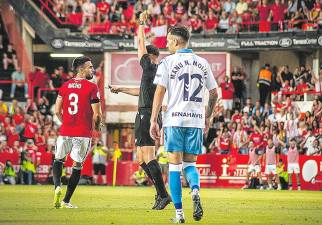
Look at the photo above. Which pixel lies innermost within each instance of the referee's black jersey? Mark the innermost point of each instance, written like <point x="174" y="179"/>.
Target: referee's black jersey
<point x="147" y="88"/>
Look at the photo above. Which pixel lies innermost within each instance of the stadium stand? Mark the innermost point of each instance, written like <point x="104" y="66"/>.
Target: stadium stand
<point x="202" y="16"/>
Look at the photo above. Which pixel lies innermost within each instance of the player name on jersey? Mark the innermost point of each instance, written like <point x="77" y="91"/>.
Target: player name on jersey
<point x="180" y="65"/>
<point x="75" y="85"/>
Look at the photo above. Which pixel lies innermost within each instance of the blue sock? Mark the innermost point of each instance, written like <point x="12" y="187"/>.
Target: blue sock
<point x="192" y="175"/>
<point x="175" y="185"/>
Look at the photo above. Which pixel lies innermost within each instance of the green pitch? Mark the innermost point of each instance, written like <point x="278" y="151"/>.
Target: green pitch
<point x="25" y="205"/>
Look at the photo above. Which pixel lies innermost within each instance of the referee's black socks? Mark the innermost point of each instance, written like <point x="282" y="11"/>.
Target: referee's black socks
<point x="155" y="171"/>
<point x="147" y="171"/>
<point x="57" y="172"/>
<point x="72" y="183"/>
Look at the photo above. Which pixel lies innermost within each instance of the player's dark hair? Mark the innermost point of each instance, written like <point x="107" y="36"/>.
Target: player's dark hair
<point x="79" y="61"/>
<point x="151" y="49"/>
<point x="181" y="31"/>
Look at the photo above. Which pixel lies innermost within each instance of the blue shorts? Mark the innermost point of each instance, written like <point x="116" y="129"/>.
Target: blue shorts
<point x="183" y="139"/>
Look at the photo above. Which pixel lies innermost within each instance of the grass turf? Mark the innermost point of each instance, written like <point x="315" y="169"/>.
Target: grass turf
<point x="26" y="205"/>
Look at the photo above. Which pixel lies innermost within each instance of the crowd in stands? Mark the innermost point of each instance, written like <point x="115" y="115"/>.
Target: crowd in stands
<point x="281" y="119"/>
<point x="202" y="16"/>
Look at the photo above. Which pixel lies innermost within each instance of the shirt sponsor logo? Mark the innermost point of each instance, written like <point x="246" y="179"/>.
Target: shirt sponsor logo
<point x="187" y="114"/>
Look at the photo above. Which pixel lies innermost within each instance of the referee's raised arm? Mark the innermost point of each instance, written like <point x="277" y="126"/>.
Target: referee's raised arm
<point x="141" y="36"/>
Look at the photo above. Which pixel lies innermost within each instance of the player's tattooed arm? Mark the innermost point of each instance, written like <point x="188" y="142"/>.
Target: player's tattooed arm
<point x="58" y="108"/>
<point x="97" y="116"/>
<point x="141" y="36"/>
<point x="129" y="91"/>
<point x="98" y="122"/>
<point x="213" y="99"/>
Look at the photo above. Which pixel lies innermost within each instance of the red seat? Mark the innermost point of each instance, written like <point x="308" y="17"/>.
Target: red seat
<point x="75" y="18"/>
<point x="100" y="27"/>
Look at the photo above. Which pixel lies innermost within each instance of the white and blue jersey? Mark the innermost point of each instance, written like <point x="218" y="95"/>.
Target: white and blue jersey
<point x="186" y="77"/>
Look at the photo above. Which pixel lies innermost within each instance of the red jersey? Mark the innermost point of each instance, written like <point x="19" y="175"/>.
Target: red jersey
<point x="103" y="7"/>
<point x="77" y="96"/>
<point x="211" y="23"/>
<point x="236" y="118"/>
<point x="256" y="138"/>
<point x="224" y="143"/>
<point x="227" y="91"/>
<point x="30" y="130"/>
<point x="278" y="12"/>
<point x="18" y="118"/>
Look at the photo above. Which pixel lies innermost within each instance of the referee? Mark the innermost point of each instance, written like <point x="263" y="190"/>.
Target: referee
<point x="148" y="56"/>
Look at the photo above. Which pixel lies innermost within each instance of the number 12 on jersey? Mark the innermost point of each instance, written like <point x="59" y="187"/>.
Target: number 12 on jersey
<point x="186" y="80"/>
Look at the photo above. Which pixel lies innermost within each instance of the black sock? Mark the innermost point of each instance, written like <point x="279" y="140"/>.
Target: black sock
<point x="72" y="183"/>
<point x="155" y="170"/>
<point x="147" y="171"/>
<point x="57" y="171"/>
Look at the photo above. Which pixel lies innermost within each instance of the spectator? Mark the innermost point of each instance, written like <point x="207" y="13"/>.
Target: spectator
<point x="318" y="81"/>
<point x="277" y="15"/>
<point x="282" y="174"/>
<point x="229" y="6"/>
<point x="223" y="25"/>
<point x="308" y="143"/>
<point x="154" y="9"/>
<point x="238" y="77"/>
<point x="241" y="7"/>
<point x="163" y="160"/>
<point x="235" y="22"/>
<point x="239" y="140"/>
<point x="248" y="108"/>
<point x="224" y="142"/>
<point x="30" y="128"/>
<point x="286" y="74"/>
<point x="3" y="108"/>
<point x="88" y="9"/>
<point x="30" y="106"/>
<point x="9" y="58"/>
<point x="28" y="162"/>
<point x="99" y="158"/>
<point x="40" y="141"/>
<point x="196" y="24"/>
<point x="264" y="83"/>
<point x="18" y="79"/>
<point x="43" y="106"/>
<point x="211" y="23"/>
<point x="140" y="178"/>
<point x="263" y="10"/>
<point x="9" y="174"/>
<point x="38" y="79"/>
<point x="227" y="92"/>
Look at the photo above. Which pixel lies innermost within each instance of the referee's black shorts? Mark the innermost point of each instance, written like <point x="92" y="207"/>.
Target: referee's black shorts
<point x="142" y="127"/>
<point x="99" y="169"/>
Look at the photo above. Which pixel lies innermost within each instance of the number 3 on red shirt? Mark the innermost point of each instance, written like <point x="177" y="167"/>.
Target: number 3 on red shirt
<point x="73" y="108"/>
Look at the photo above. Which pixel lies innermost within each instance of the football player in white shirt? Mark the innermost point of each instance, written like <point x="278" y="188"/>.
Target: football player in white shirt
<point x="185" y="76"/>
